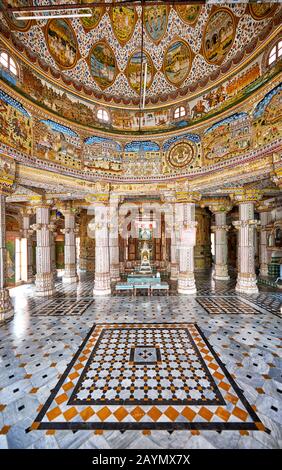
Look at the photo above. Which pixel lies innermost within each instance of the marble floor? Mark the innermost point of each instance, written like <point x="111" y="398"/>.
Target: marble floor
<point x="158" y="372"/>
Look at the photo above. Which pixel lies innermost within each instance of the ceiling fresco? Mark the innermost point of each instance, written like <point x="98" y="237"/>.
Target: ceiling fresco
<point x="185" y="46"/>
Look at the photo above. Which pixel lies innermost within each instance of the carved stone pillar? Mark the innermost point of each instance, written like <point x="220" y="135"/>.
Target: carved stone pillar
<point x="113" y="239"/>
<point x="187" y="239"/>
<point x="246" y="225"/>
<point x="221" y="247"/>
<point x="70" y="273"/>
<point x="26" y="245"/>
<point x="44" y="280"/>
<point x="102" y="283"/>
<point x="264" y="229"/>
<point x="6" y="308"/>
<point x="173" y="247"/>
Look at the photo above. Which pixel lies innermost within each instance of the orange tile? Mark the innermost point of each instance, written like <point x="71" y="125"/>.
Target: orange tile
<point x="188" y="413"/>
<point x="33" y="390"/>
<point x="244" y="433"/>
<point x="52" y="414"/>
<point x="154" y="413"/>
<point x="61" y="398"/>
<point x="5" y="429"/>
<point x="78" y="366"/>
<point x="213" y="366"/>
<point x="205" y="413"/>
<point x="2" y="407"/>
<point x="70" y="413"/>
<point x="87" y="413"/>
<point x="224" y="385"/>
<point x="241" y="414"/>
<point x="195" y="432"/>
<point x="146" y="432"/>
<point x="34" y="426"/>
<point x="121" y="413"/>
<point x="171" y="413"/>
<point x="218" y="375"/>
<point x="222" y="413"/>
<point x="74" y="375"/>
<point x="231" y="398"/>
<point x="260" y="390"/>
<point x="53" y="364"/>
<point x="137" y="413"/>
<point x="50" y="432"/>
<point x="260" y="426"/>
<point x="104" y="413"/>
<point x="98" y="431"/>
<point x="67" y="386"/>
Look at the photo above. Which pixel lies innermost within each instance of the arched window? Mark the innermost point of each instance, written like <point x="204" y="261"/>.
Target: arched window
<point x="179" y="112"/>
<point x="103" y="115"/>
<point x="8" y="63"/>
<point x="275" y="53"/>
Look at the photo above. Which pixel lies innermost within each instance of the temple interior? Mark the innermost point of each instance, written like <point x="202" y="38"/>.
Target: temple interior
<point x="140" y="224"/>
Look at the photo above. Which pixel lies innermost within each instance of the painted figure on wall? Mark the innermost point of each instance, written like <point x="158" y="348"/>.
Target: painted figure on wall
<point x="21" y="25"/>
<point x="92" y="21"/>
<point x="15" y="128"/>
<point x="123" y="22"/>
<point x="102" y="64"/>
<point x="188" y="13"/>
<point x="10" y="262"/>
<point x="177" y="62"/>
<point x="134" y="70"/>
<point x="218" y="36"/>
<point x="262" y="10"/>
<point x="62" y="42"/>
<point x="155" y="20"/>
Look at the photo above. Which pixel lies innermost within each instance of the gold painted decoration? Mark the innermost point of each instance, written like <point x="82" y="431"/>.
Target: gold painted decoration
<point x="123" y="20"/>
<point x="62" y="43"/>
<point x="260" y="11"/>
<point x="219" y="35"/>
<point x="177" y="62"/>
<point x="92" y="21"/>
<point x="7" y="170"/>
<point x="20" y="25"/>
<point x="102" y="64"/>
<point x="134" y="70"/>
<point x="181" y="154"/>
<point x="188" y="13"/>
<point x="15" y="128"/>
<point x="155" y="21"/>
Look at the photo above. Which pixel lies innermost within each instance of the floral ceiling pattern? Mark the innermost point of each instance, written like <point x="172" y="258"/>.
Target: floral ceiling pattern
<point x="182" y="46"/>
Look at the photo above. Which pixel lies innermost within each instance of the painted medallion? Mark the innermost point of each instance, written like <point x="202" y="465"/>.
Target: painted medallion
<point x="102" y="64"/>
<point x="123" y="22"/>
<point x="181" y="155"/>
<point x="133" y="70"/>
<point x="188" y="13"/>
<point x="218" y="36"/>
<point x="177" y="62"/>
<point x="261" y="10"/>
<point x="62" y="42"/>
<point x="155" y="21"/>
<point x="94" y="20"/>
<point x="21" y="25"/>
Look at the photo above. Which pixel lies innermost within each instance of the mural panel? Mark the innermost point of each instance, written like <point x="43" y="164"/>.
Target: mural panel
<point x="7" y="169"/>
<point x="227" y="138"/>
<point x="62" y="43"/>
<point x="155" y="21"/>
<point x="102" y="64"/>
<point x="177" y="62"/>
<point x="20" y="25"/>
<point x="267" y="117"/>
<point x="123" y="20"/>
<point x="15" y="127"/>
<point x="180" y="155"/>
<point x="134" y="70"/>
<point x="92" y="21"/>
<point x="219" y="35"/>
<point x="189" y="13"/>
<point x="261" y="10"/>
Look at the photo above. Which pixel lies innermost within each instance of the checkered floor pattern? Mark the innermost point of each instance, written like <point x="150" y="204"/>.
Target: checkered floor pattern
<point x="181" y="384"/>
<point x="228" y="305"/>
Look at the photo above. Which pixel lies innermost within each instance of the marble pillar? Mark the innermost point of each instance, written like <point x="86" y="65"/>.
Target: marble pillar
<point x="187" y="240"/>
<point x="114" y="240"/>
<point x="102" y="282"/>
<point x="6" y="308"/>
<point x="70" y="273"/>
<point x="264" y="229"/>
<point x="44" y="280"/>
<point x="220" y="229"/>
<point x="173" y="248"/>
<point x="27" y="232"/>
<point x="246" y="225"/>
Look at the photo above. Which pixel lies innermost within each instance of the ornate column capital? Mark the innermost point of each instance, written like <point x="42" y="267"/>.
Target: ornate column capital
<point x="219" y="228"/>
<point x="217" y="205"/>
<point x="245" y="196"/>
<point x="238" y="224"/>
<point x="184" y="196"/>
<point x="263" y="207"/>
<point x="41" y="201"/>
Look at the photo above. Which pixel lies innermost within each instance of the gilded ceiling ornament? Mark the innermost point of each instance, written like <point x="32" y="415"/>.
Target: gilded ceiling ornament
<point x="62" y="42"/>
<point x="103" y="64"/>
<point x="219" y="35"/>
<point x="133" y="70"/>
<point x="93" y="21"/>
<point x="260" y="11"/>
<point x="155" y="21"/>
<point x="189" y="13"/>
<point x="177" y="62"/>
<point x="123" y="20"/>
<point x="181" y="155"/>
<point x="20" y="25"/>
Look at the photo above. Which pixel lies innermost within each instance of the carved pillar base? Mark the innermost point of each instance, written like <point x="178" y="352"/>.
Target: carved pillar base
<point x="173" y="271"/>
<point x="44" y="284"/>
<point x="70" y="274"/>
<point x="247" y="284"/>
<point x="221" y="272"/>
<point x="6" y="307"/>
<point x="186" y="284"/>
<point x="102" y="284"/>
<point x="114" y="272"/>
<point x="263" y="270"/>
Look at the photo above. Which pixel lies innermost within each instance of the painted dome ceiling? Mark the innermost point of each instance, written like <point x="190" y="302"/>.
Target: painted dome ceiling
<point x="185" y="47"/>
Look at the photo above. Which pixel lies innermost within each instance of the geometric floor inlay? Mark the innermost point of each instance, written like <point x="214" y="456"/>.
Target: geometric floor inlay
<point x="229" y="305"/>
<point x="62" y="307"/>
<point x="146" y="376"/>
